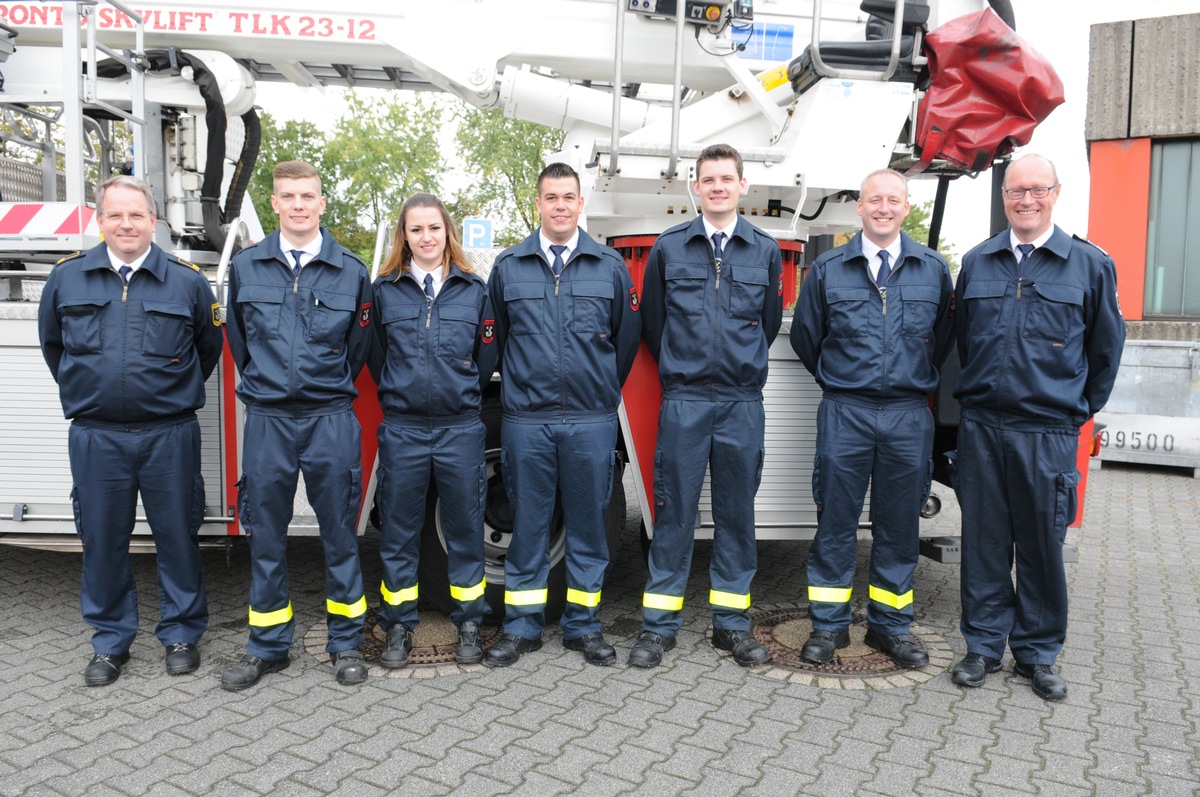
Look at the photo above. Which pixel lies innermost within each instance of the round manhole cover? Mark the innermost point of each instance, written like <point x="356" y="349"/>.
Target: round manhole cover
<point x="432" y="653"/>
<point x="783" y="630"/>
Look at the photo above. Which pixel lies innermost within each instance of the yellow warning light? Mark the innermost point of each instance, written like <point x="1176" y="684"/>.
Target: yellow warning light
<point x="712" y="13"/>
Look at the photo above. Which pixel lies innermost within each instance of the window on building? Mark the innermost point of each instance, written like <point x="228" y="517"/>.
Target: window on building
<point x="1173" y="240"/>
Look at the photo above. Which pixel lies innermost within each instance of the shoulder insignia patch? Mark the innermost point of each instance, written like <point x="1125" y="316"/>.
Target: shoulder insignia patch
<point x="488" y="333"/>
<point x="781" y="283"/>
<point x="634" y="302"/>
<point x="216" y="314"/>
<point x="180" y="261"/>
<point x="364" y="314"/>
<point x="1090" y="243"/>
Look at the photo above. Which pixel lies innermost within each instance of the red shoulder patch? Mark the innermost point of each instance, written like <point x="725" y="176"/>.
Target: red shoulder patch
<point x="634" y="302"/>
<point x="364" y="314"/>
<point x="488" y="333"/>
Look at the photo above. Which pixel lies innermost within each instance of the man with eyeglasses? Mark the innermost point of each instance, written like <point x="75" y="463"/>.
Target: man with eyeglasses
<point x="299" y="331"/>
<point x="131" y="333"/>
<point x="1040" y="336"/>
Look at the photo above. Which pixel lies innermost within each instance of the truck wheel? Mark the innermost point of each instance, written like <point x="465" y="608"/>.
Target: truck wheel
<point x="933" y="505"/>
<point x="497" y="534"/>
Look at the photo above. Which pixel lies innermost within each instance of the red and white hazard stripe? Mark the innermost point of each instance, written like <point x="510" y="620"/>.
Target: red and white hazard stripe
<point x="43" y="219"/>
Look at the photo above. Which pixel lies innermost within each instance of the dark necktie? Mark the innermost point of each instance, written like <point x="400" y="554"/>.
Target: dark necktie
<point x="885" y="269"/>
<point x="558" y="264"/>
<point x="718" y="239"/>
<point x="295" y="253"/>
<point x="125" y="272"/>
<point x="1025" y="250"/>
<point x="429" y="287"/>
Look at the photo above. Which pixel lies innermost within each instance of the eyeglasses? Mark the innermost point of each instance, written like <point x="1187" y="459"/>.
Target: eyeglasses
<point x="1038" y="192"/>
<point x="134" y="218"/>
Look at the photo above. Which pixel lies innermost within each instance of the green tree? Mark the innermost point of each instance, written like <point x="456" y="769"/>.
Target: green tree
<point x="383" y="149"/>
<point x="504" y="157"/>
<point x="917" y="227"/>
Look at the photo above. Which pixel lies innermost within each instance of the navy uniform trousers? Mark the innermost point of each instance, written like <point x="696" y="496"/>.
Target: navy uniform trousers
<point x="275" y="450"/>
<point x="411" y="451"/>
<point x="692" y="435"/>
<point x="109" y="468"/>
<point x="1017" y="494"/>
<point x="889" y="445"/>
<point x="539" y="460"/>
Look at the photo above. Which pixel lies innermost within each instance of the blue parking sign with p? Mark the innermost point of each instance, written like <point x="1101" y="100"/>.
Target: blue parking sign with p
<point x="477" y="233"/>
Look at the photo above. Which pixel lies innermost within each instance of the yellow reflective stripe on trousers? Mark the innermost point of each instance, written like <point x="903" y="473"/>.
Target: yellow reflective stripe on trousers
<point x="880" y="595"/>
<point x="829" y="594"/>
<point x="406" y="595"/>
<point x="578" y="596"/>
<point x="277" y="617"/>
<point x="728" y="600"/>
<point x="666" y="603"/>
<point x="351" y="610"/>
<point x="525" y="597"/>
<point x="465" y="594"/>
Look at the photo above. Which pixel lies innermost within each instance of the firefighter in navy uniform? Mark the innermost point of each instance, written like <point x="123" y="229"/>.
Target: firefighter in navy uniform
<point x="131" y="334"/>
<point x="873" y="324"/>
<point x="436" y="354"/>
<point x="568" y="329"/>
<point x="711" y="306"/>
<point x="299" y="329"/>
<point x="1040" y="336"/>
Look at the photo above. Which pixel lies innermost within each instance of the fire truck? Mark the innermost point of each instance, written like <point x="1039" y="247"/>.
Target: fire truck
<point x="166" y="91"/>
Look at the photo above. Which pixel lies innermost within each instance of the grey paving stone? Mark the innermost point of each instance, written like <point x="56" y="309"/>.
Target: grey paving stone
<point x="698" y="724"/>
<point x="537" y="783"/>
<point x="602" y="785"/>
<point x="1009" y="773"/>
<point x="1167" y="786"/>
<point x="449" y="770"/>
<point x="575" y="759"/>
<point x="836" y="781"/>
<point x="856" y="755"/>
<point x="1047" y="788"/>
<point x="633" y="762"/>
<point x="712" y="782"/>
<point x="266" y="776"/>
<point x="780" y="782"/>
<point x="947" y="774"/>
<point x="1112" y="766"/>
<point x="332" y="772"/>
<point x="515" y="763"/>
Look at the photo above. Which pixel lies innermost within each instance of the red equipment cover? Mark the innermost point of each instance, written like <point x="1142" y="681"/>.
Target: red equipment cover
<point x="988" y="91"/>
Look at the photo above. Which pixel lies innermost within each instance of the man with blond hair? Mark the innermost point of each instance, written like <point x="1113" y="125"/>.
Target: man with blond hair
<point x="299" y="331"/>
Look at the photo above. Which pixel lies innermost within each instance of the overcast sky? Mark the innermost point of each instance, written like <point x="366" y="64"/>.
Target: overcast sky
<point x="1059" y="29"/>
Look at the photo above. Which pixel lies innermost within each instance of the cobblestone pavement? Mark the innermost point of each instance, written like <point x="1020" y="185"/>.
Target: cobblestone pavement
<point x="697" y="725"/>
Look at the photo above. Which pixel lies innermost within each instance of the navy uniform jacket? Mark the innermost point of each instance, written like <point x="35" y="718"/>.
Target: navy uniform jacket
<point x="433" y="360"/>
<point x="711" y="337"/>
<point x="1045" y="348"/>
<point x="129" y="357"/>
<point x="567" y="344"/>
<point x="853" y="340"/>
<point x="299" y="343"/>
